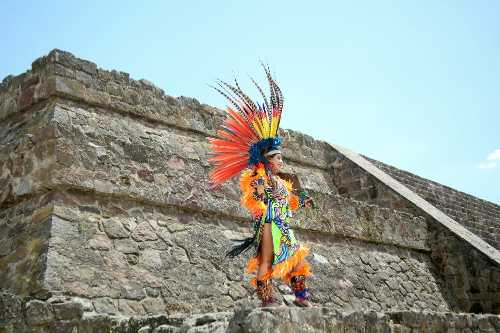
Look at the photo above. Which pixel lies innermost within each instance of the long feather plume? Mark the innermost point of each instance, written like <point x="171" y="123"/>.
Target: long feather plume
<point x="246" y="127"/>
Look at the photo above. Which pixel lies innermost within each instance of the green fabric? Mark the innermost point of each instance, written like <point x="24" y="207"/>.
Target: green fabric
<point x="276" y="233"/>
<point x="283" y="238"/>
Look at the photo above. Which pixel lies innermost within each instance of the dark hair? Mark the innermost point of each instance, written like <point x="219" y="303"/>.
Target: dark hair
<point x="263" y="153"/>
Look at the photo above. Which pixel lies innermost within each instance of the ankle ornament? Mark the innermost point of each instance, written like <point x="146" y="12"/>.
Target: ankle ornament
<point x="265" y="292"/>
<point x="298" y="284"/>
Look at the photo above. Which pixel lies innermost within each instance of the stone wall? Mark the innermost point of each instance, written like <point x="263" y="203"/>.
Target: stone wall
<point x="354" y="182"/>
<point x="24" y="242"/>
<point x="479" y="216"/>
<point x="128" y="258"/>
<point x="470" y="279"/>
<point x="104" y="199"/>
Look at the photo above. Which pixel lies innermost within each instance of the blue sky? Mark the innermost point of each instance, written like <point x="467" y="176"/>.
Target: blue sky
<point x="414" y="84"/>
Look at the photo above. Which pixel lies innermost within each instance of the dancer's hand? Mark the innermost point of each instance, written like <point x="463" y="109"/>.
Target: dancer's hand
<point x="305" y="200"/>
<point x="308" y="203"/>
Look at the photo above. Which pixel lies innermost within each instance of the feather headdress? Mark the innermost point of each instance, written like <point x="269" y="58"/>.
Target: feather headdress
<point x="248" y="130"/>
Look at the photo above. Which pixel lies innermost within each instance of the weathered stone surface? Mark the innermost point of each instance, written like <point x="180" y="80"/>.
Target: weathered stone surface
<point x="130" y="307"/>
<point x="208" y="322"/>
<point x="10" y="307"/>
<point x="285" y="319"/>
<point x="480" y="216"/>
<point x="104" y="197"/>
<point x="133" y="290"/>
<point x="469" y="278"/>
<point x="38" y="313"/>
<point x="114" y="228"/>
<point x="41" y="316"/>
<point x="67" y="310"/>
<point x="188" y="273"/>
<point x="144" y="232"/>
<point x="166" y="329"/>
<point x="99" y="242"/>
<point x="22" y="268"/>
<point x="145" y="329"/>
<point x="105" y="305"/>
<point x="26" y="153"/>
<point x="126" y="246"/>
<point x="153" y="305"/>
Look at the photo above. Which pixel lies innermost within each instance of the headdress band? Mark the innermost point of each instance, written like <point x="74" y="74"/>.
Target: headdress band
<point x="272" y="152"/>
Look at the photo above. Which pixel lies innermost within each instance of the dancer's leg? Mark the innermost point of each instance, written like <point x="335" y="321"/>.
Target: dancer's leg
<point x="264" y="285"/>
<point x="266" y="252"/>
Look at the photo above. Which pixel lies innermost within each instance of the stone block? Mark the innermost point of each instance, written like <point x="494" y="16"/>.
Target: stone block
<point x="126" y="245"/>
<point x="100" y="242"/>
<point x="166" y="329"/>
<point x="132" y="291"/>
<point x="144" y="232"/>
<point x="67" y="310"/>
<point x="114" y="228"/>
<point x="105" y="305"/>
<point x="153" y="305"/>
<point x="38" y="313"/>
<point x="10" y="307"/>
<point x="62" y="326"/>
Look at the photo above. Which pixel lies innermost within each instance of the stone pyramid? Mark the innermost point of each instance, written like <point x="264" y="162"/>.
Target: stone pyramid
<point x="107" y="223"/>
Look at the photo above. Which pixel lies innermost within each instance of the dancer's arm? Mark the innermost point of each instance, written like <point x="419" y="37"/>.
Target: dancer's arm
<point x="253" y="187"/>
<point x="298" y="201"/>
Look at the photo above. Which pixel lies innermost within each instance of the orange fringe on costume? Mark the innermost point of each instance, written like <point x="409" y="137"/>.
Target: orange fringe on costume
<point x="285" y="269"/>
<point x="294" y="201"/>
<point x="255" y="207"/>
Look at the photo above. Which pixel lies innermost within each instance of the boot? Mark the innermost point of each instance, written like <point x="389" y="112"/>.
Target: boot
<point x="265" y="293"/>
<point x="298" y="284"/>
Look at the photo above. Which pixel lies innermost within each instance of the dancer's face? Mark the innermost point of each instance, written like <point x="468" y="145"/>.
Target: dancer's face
<point x="276" y="162"/>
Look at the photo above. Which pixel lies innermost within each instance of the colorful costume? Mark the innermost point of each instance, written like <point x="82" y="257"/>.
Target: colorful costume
<point x="248" y="135"/>
<point x="274" y="206"/>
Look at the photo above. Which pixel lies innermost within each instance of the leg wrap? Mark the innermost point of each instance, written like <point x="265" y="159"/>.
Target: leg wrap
<point x="265" y="292"/>
<point x="298" y="284"/>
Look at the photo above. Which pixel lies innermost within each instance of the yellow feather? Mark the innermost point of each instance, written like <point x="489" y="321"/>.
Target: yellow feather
<point x="274" y="126"/>
<point x="266" y="128"/>
<point x="258" y="127"/>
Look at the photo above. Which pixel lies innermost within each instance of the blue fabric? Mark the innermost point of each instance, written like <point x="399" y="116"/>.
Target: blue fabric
<point x="301" y="293"/>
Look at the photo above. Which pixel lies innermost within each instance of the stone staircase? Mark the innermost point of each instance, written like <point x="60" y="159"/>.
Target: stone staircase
<point x="58" y="315"/>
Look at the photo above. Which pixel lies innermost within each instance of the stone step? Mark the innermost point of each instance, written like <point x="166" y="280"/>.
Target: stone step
<point x="19" y="315"/>
<point x="323" y="319"/>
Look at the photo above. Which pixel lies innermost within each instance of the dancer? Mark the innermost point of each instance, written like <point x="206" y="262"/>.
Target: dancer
<point x="249" y="142"/>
